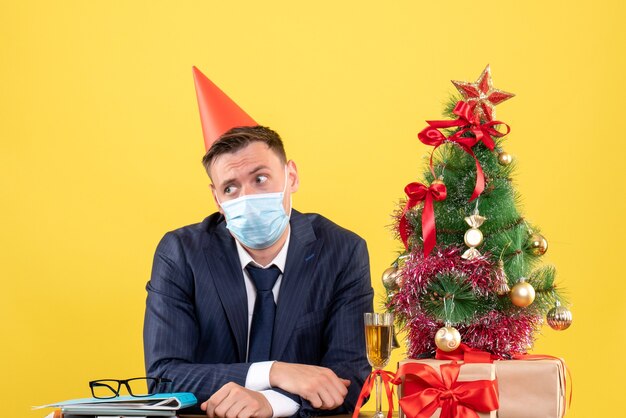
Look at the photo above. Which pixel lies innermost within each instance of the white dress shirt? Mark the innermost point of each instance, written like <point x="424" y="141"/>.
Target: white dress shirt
<point x="258" y="377"/>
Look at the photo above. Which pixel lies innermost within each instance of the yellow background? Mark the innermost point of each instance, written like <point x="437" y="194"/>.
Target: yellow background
<point x="101" y="146"/>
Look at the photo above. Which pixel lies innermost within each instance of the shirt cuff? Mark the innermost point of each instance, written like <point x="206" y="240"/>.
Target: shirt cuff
<point x="281" y="404"/>
<point x="258" y="377"/>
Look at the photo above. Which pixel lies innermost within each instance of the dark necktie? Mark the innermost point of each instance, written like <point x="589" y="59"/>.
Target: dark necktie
<point x="262" y="326"/>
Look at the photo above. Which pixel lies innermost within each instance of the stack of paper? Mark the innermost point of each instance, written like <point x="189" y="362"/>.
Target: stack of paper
<point x="157" y="405"/>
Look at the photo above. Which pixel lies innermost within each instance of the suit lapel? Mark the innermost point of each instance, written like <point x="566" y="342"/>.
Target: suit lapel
<point x="296" y="283"/>
<point x="223" y="262"/>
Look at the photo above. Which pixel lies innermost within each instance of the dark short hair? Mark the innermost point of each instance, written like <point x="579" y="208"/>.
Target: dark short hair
<point x="239" y="138"/>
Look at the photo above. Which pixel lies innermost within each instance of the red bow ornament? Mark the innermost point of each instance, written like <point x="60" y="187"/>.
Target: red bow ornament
<point x="416" y="193"/>
<point x="456" y="399"/>
<point x="471" y="123"/>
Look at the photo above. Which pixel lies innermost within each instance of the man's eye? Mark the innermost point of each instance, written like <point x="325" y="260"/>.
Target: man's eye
<point x="261" y="179"/>
<point x="229" y="189"/>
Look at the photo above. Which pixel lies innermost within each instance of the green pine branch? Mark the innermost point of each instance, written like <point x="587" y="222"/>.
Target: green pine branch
<point x="449" y="297"/>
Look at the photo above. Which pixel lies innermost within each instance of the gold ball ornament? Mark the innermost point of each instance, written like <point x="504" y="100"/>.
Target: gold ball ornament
<point x="504" y="158"/>
<point x="559" y="318"/>
<point x="437" y="181"/>
<point x="537" y="244"/>
<point x="447" y="338"/>
<point x="399" y="280"/>
<point x="390" y="278"/>
<point x="522" y="294"/>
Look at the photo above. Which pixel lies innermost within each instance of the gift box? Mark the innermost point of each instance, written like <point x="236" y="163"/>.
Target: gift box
<point x="476" y="374"/>
<point x="533" y="388"/>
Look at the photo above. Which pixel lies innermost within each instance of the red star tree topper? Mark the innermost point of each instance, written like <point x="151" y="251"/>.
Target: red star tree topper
<point x="482" y="96"/>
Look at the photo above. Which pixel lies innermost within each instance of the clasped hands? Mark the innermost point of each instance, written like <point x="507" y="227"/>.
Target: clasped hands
<point x="320" y="386"/>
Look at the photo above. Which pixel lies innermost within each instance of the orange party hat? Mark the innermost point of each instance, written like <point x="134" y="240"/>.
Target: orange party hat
<point x="218" y="113"/>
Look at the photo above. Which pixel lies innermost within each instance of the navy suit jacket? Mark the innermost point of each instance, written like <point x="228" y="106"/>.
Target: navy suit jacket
<point x="196" y="321"/>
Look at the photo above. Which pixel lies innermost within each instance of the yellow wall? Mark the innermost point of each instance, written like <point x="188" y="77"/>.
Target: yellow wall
<point x="101" y="143"/>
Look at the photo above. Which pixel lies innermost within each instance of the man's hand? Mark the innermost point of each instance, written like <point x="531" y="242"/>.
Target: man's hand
<point x="318" y="385"/>
<point x="234" y="401"/>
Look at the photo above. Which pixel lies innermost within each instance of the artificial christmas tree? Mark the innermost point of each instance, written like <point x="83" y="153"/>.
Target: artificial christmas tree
<point x="470" y="270"/>
<point x="468" y="289"/>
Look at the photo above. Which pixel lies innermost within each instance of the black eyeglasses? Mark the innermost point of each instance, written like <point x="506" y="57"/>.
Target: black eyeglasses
<point x="137" y="387"/>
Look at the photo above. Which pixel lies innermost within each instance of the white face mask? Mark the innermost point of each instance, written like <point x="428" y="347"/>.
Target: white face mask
<point x="257" y="220"/>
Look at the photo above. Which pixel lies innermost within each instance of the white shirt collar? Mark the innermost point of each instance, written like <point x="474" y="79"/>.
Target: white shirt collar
<point x="279" y="261"/>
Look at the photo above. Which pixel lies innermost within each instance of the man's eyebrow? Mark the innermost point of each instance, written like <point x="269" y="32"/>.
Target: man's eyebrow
<point x="258" y="168"/>
<point x="254" y="170"/>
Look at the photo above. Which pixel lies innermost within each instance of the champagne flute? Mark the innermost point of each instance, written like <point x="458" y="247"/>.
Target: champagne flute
<point x="378" y="337"/>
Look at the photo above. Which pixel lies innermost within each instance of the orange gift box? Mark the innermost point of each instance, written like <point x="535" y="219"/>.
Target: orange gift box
<point x="469" y="372"/>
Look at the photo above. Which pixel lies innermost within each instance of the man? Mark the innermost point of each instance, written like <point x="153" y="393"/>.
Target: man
<point x="293" y="346"/>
